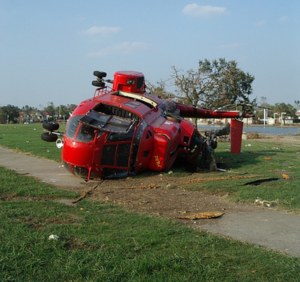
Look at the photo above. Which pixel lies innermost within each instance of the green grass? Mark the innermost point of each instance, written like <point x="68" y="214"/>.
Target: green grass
<point x="27" y="138"/>
<point x="258" y="160"/>
<point x="102" y="242"/>
<point x="261" y="160"/>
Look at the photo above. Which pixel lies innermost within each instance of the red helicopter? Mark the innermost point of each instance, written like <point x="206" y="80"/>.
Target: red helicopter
<point x="123" y="130"/>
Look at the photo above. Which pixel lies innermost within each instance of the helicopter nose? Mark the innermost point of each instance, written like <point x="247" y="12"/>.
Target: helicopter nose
<point x="78" y="157"/>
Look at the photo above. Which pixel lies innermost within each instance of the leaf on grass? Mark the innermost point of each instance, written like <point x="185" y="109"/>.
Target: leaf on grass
<point x="267" y="158"/>
<point x="202" y="215"/>
<point x="285" y="176"/>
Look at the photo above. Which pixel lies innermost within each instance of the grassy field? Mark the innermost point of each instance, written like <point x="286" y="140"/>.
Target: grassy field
<point x="27" y="138"/>
<point x="102" y="242"/>
<point x="262" y="161"/>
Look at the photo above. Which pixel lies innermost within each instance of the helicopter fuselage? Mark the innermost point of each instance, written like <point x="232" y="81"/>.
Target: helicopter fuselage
<point x="125" y="130"/>
<point x="115" y="134"/>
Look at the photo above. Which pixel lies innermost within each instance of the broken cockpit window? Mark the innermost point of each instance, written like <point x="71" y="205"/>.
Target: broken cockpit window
<point x="109" y="123"/>
<point x="86" y="133"/>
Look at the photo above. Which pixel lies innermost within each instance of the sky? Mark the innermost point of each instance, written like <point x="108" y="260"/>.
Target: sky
<point x="49" y="49"/>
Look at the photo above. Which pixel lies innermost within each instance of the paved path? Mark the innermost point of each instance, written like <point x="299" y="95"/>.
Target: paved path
<point x="273" y="229"/>
<point x="46" y="170"/>
<point x="269" y="228"/>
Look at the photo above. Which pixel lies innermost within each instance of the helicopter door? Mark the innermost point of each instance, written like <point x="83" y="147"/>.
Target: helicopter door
<point x="115" y="159"/>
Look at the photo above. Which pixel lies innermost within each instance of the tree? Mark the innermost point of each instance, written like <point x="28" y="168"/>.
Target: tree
<point x="264" y="103"/>
<point x="9" y="114"/>
<point x="64" y="111"/>
<point x="190" y="86"/>
<point x="159" y="89"/>
<point x="287" y="109"/>
<point x="3" y="117"/>
<point x="50" y="111"/>
<point x="29" y="114"/>
<point x="215" y="84"/>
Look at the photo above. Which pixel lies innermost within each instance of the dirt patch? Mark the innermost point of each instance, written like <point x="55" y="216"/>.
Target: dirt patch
<point x="162" y="195"/>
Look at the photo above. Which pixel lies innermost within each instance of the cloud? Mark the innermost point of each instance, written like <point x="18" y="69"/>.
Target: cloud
<point x="102" y="30"/>
<point x="122" y="48"/>
<point x="196" y="10"/>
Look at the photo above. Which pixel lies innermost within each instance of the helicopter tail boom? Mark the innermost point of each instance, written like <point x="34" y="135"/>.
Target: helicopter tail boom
<point x="193" y="112"/>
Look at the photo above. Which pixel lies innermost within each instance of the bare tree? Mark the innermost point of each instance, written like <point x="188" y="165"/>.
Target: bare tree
<point x="159" y="89"/>
<point x="214" y="84"/>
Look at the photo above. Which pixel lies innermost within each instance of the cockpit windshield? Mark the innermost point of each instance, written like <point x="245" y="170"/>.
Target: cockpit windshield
<point x="85" y="133"/>
<point x="108" y="123"/>
<point x="117" y="122"/>
<point x="72" y="125"/>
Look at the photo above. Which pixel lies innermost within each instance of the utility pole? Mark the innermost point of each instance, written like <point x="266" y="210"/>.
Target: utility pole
<point x="265" y="116"/>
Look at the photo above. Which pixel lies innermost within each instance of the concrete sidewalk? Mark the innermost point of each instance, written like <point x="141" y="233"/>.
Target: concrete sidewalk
<point x="45" y="170"/>
<point x="273" y="229"/>
<point x="276" y="230"/>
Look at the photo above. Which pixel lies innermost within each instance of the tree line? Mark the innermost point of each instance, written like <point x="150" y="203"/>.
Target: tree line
<point x="215" y="84"/>
<point x="29" y="114"/>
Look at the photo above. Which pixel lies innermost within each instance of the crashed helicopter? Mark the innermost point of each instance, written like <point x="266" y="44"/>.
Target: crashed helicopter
<point x="123" y="130"/>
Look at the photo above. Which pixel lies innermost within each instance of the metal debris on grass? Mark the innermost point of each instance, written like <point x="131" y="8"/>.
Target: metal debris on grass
<point x="264" y="203"/>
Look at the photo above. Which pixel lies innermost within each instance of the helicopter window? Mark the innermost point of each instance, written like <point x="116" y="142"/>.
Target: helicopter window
<point x="95" y="119"/>
<point x="118" y="125"/>
<point x="72" y="126"/>
<point x="108" y="123"/>
<point x="86" y="133"/>
<point x="108" y="154"/>
<point x="116" y="154"/>
<point x="123" y="154"/>
<point x="116" y="111"/>
<point x="121" y="136"/>
<point x="140" y="82"/>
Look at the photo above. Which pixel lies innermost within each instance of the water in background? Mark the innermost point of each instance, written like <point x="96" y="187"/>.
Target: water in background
<point x="272" y="130"/>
